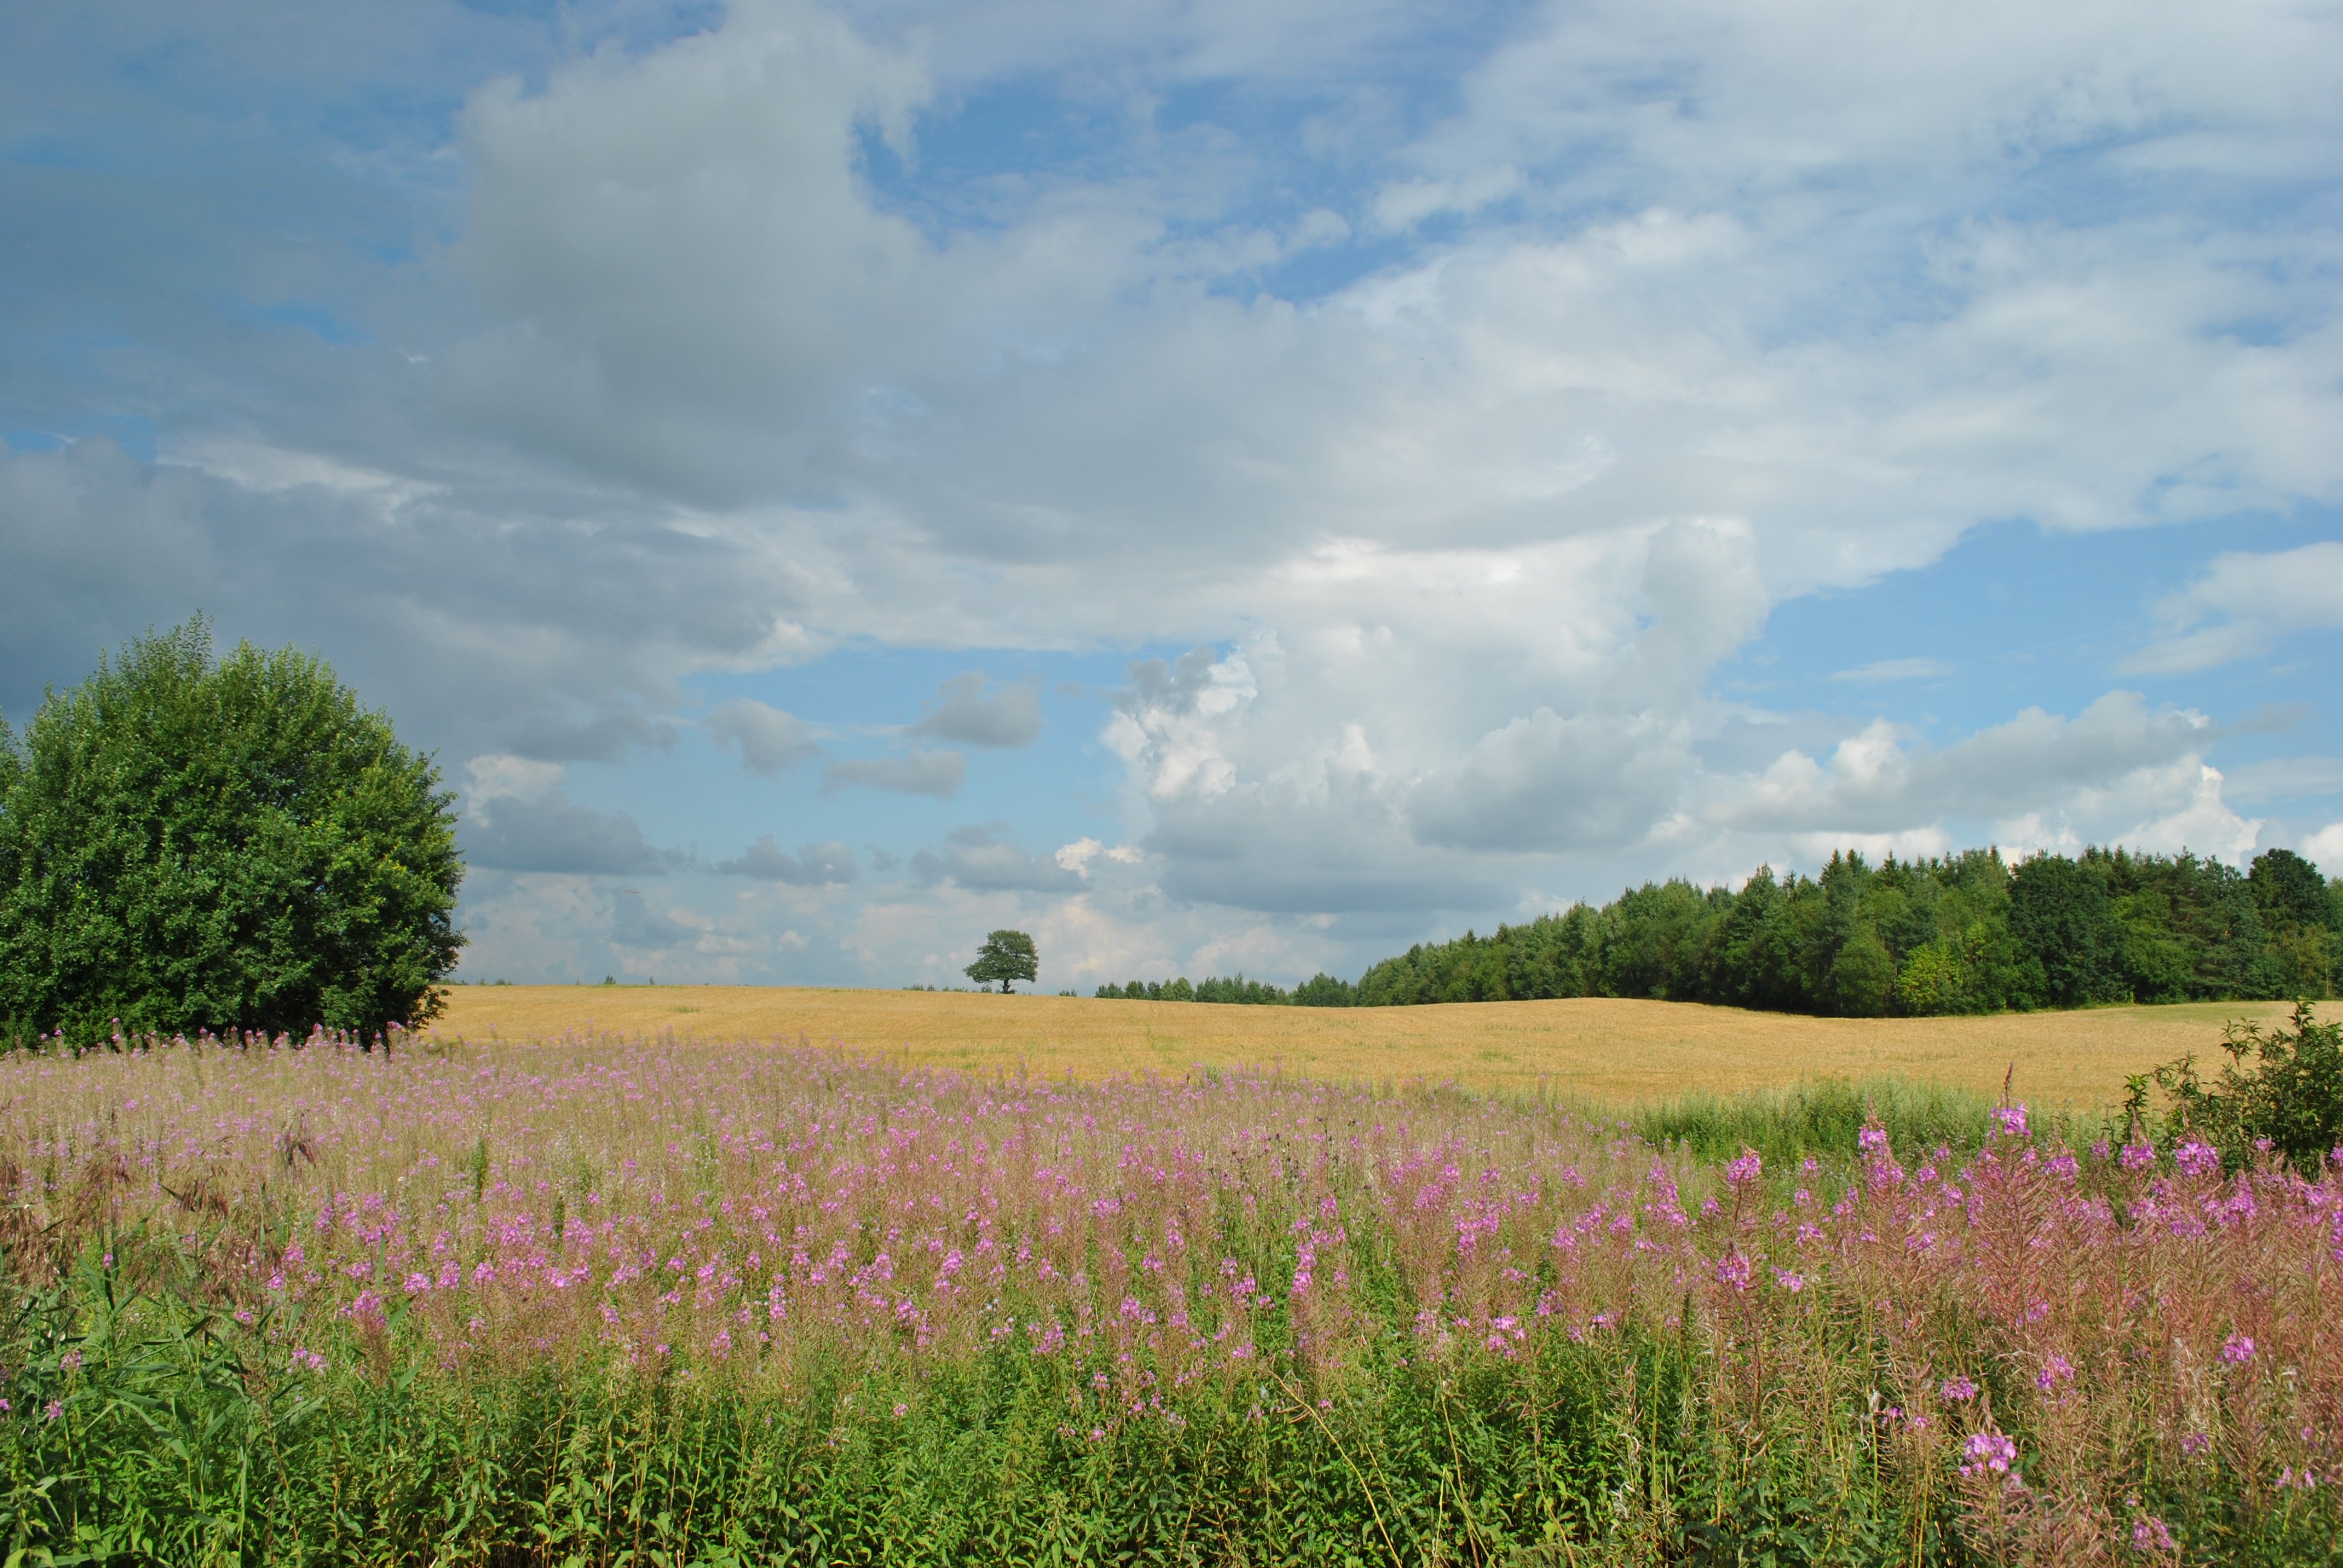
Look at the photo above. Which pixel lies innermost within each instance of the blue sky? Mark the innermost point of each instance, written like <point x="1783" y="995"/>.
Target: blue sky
<point x="1218" y="486"/>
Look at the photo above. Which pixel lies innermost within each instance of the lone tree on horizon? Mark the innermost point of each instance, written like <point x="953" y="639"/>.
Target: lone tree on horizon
<point x="191" y="843"/>
<point x="1005" y="956"/>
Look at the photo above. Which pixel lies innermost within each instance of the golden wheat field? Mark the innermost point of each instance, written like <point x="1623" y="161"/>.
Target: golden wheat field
<point x="1601" y="1049"/>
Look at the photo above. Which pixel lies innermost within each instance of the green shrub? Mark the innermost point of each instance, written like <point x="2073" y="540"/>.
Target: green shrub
<point x="2291" y="1096"/>
<point x="190" y="844"/>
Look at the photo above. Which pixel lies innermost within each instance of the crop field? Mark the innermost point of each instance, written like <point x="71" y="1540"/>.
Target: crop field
<point x="598" y="1299"/>
<point x="1600" y="1049"/>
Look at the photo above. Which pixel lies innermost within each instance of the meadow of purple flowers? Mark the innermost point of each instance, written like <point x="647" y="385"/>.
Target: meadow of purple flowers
<point x="593" y="1300"/>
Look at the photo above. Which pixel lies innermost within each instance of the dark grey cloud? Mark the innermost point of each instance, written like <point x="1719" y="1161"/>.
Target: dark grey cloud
<point x="552" y="834"/>
<point x="635" y="924"/>
<point x="937" y="773"/>
<point x="547" y="625"/>
<point x="770" y="741"/>
<point x="1160" y="686"/>
<point x="812" y="866"/>
<point x="961" y="710"/>
<point x="978" y="859"/>
<point x="1337" y="846"/>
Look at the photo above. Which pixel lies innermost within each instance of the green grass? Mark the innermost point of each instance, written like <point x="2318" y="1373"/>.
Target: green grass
<point x="1823" y="1119"/>
<point x="175" y="1446"/>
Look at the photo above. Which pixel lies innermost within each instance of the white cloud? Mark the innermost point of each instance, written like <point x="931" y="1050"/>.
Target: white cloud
<point x="1887" y="669"/>
<point x="2252" y="602"/>
<point x="2285" y="777"/>
<point x="2325" y="848"/>
<point x="1880" y="779"/>
<point x="500" y="777"/>
<point x="1682" y="312"/>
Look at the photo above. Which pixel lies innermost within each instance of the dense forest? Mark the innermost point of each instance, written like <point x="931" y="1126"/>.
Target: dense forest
<point x="1967" y="933"/>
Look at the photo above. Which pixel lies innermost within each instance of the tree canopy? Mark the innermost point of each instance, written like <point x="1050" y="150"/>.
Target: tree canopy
<point x="1963" y="933"/>
<point x="1005" y="956"/>
<point x="188" y="843"/>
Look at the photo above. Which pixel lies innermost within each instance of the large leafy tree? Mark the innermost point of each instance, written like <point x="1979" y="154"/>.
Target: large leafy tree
<point x="1005" y="956"/>
<point x="192" y="843"/>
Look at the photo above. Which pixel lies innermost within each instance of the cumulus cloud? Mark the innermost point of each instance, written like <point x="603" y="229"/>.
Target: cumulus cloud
<point x="2325" y="848"/>
<point x="770" y="741"/>
<point x="2243" y="606"/>
<point x="977" y="858"/>
<point x="813" y="866"/>
<point x="551" y="834"/>
<point x="961" y="710"/>
<point x="1548" y="782"/>
<point x="937" y="773"/>
<point x="1654" y="320"/>
<point x="1881" y="780"/>
<point x="500" y="776"/>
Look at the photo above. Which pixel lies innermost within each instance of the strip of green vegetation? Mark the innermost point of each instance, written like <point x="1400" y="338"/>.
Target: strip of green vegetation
<point x="1963" y="934"/>
<point x="171" y="1440"/>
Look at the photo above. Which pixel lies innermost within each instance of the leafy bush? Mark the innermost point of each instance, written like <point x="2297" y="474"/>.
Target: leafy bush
<point x="188" y="844"/>
<point x="2291" y="1096"/>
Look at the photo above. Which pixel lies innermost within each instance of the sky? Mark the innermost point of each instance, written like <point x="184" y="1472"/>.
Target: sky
<point x="1220" y="487"/>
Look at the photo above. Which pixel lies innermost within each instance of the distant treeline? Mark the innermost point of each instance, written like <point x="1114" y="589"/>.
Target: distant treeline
<point x="1967" y="933"/>
<point x="1323" y="990"/>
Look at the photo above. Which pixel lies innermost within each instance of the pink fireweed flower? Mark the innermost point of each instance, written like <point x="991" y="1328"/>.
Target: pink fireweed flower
<point x="69" y="1362"/>
<point x="2238" y="1350"/>
<point x="54" y="1409"/>
<point x="2009" y="1120"/>
<point x="2138" y="1156"/>
<point x="1958" y="1390"/>
<point x="1989" y="1450"/>
<point x="1790" y="1280"/>
<point x="2056" y="1368"/>
<point x="1745" y="1169"/>
<point x="1732" y="1271"/>
<point x="2196" y="1158"/>
<point x="1872" y="1139"/>
<point x="2197" y="1444"/>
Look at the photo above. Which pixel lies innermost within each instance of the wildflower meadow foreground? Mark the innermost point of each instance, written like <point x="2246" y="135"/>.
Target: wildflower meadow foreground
<point x="596" y="1300"/>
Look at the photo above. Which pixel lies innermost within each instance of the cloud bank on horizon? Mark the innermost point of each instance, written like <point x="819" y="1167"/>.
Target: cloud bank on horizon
<point x="1219" y="486"/>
